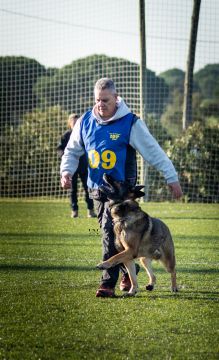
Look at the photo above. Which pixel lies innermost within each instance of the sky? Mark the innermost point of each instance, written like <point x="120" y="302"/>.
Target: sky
<point x="55" y="32"/>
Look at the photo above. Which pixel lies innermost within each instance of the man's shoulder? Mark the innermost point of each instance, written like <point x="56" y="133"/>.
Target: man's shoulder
<point x="130" y="115"/>
<point x="134" y="118"/>
<point x="86" y="114"/>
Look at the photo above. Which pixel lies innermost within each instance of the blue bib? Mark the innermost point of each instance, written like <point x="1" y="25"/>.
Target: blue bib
<point x="105" y="147"/>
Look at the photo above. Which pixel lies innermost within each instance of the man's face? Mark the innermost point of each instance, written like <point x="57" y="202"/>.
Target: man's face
<point x="106" y="103"/>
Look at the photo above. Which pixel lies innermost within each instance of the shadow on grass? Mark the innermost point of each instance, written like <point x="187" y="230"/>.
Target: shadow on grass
<point x="188" y="218"/>
<point x="67" y="239"/>
<point x="194" y="270"/>
<point x="21" y="267"/>
<point x="94" y="233"/>
<point x="181" y="295"/>
<point x="186" y="295"/>
<point x="198" y="271"/>
<point x="31" y="267"/>
<point x="196" y="237"/>
<point x="41" y="235"/>
<point x="62" y="244"/>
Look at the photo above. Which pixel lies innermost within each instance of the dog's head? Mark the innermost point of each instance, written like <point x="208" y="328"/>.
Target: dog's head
<point x="124" y="208"/>
<point x="117" y="191"/>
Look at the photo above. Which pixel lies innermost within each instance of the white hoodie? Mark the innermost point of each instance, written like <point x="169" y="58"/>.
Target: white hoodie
<point x="140" y="139"/>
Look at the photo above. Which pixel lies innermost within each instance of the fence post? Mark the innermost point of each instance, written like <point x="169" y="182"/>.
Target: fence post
<point x="143" y="88"/>
<point x="188" y="84"/>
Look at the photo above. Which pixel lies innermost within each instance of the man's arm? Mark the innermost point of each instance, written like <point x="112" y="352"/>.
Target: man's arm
<point x="66" y="180"/>
<point x="142" y="140"/>
<point x="176" y="190"/>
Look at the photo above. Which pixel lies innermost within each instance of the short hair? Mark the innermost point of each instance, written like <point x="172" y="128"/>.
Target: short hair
<point x="105" y="83"/>
<point x="73" y="116"/>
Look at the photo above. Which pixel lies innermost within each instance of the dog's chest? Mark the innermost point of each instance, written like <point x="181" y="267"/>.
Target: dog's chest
<point x="129" y="232"/>
<point x="125" y="227"/>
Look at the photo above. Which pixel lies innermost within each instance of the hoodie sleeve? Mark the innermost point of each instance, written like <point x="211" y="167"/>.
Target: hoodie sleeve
<point x="73" y="151"/>
<point x="142" y="140"/>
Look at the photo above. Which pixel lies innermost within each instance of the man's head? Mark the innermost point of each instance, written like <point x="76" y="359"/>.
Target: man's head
<point x="105" y="98"/>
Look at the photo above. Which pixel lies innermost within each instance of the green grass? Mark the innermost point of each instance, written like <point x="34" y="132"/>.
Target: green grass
<point x="48" y="281"/>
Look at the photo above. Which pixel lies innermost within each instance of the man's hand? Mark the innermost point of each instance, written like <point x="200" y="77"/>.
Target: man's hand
<point x="66" y="180"/>
<point x="176" y="190"/>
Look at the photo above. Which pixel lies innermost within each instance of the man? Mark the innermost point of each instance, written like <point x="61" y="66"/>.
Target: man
<point x="80" y="172"/>
<point x="108" y="134"/>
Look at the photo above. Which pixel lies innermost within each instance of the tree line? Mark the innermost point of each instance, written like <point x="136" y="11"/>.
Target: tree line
<point x="35" y="103"/>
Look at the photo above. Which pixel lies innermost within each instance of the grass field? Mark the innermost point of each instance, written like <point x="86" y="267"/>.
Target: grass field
<point x="48" y="281"/>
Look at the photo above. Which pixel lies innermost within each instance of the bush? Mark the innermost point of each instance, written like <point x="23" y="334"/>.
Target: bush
<point x="33" y="170"/>
<point x="195" y="155"/>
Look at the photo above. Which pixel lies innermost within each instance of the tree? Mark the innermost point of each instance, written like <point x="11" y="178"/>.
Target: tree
<point x="33" y="170"/>
<point x="205" y="97"/>
<point x="71" y="87"/>
<point x="174" y="79"/>
<point x="172" y="117"/>
<point x="195" y="156"/>
<point x="207" y="108"/>
<point x="17" y="78"/>
<point x="207" y="80"/>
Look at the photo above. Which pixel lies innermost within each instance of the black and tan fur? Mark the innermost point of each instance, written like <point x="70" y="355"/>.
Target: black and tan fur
<point x="139" y="236"/>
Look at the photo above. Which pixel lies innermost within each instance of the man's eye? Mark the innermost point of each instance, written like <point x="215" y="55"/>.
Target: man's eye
<point x="104" y="101"/>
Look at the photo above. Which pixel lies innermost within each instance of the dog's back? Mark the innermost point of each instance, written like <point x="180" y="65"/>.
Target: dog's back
<point x="150" y="237"/>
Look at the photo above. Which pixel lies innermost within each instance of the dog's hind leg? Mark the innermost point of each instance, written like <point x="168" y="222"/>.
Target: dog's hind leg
<point x="174" y="287"/>
<point x="146" y="263"/>
<point x="130" y="266"/>
<point x="169" y="263"/>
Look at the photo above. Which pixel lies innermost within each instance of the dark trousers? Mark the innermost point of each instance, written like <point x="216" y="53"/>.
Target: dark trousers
<point x="74" y="191"/>
<point x="110" y="276"/>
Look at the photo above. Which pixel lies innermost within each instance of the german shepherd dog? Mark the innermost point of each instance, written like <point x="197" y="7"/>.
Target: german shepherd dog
<point x="137" y="235"/>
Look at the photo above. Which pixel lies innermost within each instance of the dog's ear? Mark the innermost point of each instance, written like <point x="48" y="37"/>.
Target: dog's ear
<point x="138" y="187"/>
<point x="120" y="190"/>
<point x="114" y="190"/>
<point x="107" y="190"/>
<point x="136" y="192"/>
<point x="109" y="180"/>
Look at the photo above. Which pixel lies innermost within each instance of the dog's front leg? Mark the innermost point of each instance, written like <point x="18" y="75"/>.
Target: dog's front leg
<point x="121" y="258"/>
<point x="146" y="263"/>
<point x="130" y="266"/>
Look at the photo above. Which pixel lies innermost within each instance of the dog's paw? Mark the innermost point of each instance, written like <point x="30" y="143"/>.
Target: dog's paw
<point x="149" y="287"/>
<point x="103" y="266"/>
<point x="100" y="266"/>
